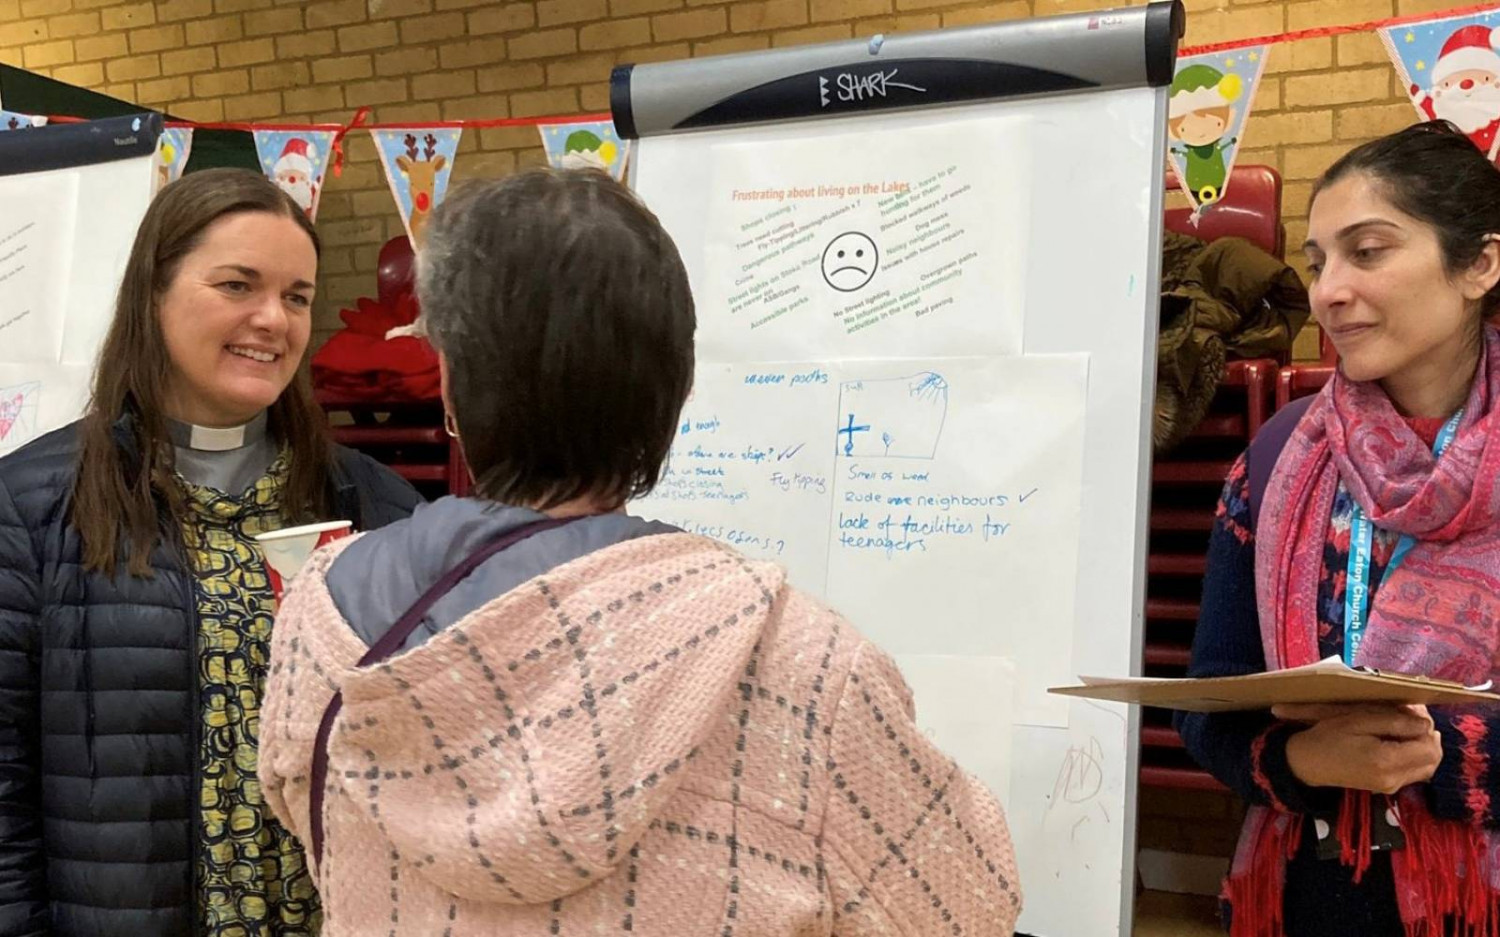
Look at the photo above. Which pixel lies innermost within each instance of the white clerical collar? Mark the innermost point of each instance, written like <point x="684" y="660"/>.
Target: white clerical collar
<point x="218" y="439"/>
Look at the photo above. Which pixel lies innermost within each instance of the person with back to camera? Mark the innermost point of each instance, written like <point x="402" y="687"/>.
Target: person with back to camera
<point x="1364" y="523"/>
<point x="134" y="605"/>
<point x="554" y="717"/>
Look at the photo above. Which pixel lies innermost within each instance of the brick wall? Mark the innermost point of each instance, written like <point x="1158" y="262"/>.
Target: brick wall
<point x="421" y="60"/>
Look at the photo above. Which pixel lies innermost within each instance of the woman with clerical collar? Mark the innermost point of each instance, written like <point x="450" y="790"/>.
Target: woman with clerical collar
<point x="135" y="610"/>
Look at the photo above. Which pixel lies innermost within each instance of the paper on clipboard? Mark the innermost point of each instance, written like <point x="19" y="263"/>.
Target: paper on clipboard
<point x="1328" y="681"/>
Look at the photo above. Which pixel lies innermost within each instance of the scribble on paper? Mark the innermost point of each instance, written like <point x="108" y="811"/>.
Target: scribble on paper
<point x="1081" y="777"/>
<point x="18" y="413"/>
<point x="895" y="418"/>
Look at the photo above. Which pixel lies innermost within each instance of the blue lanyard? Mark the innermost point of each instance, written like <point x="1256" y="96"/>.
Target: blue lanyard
<point x="1361" y="536"/>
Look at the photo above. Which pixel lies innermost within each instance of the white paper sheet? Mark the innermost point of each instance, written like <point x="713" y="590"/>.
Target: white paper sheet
<point x="59" y="276"/>
<point x="753" y="465"/>
<point x="963" y="541"/>
<point x="37" y="398"/>
<point x="116" y="195"/>
<point x="816" y="252"/>
<point x="36" y="247"/>
<point x="934" y="502"/>
<point x="964" y="707"/>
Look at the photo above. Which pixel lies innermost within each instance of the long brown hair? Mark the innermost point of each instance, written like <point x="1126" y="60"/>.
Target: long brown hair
<point x="125" y="470"/>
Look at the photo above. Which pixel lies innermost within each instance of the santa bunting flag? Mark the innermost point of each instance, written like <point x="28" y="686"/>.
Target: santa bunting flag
<point x="1451" y="68"/>
<point x="1210" y="99"/>
<point x="418" y="162"/>
<point x="296" y="160"/>
<point x="593" y="145"/>
<point x="172" y="151"/>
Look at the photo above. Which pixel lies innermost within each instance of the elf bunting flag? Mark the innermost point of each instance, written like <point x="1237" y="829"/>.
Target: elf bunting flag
<point x="1210" y="99"/>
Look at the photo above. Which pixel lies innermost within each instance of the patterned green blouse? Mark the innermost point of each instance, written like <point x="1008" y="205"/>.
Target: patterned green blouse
<point x="252" y="877"/>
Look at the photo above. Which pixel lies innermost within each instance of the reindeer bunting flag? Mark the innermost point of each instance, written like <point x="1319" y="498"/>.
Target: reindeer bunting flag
<point x="592" y="145"/>
<point x="296" y="160"/>
<point x="418" y="162"/>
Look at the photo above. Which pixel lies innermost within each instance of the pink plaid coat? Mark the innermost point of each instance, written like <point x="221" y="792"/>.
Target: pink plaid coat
<point x="660" y="738"/>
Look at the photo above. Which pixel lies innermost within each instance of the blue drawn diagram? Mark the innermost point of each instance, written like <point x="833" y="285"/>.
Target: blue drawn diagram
<point x="892" y="418"/>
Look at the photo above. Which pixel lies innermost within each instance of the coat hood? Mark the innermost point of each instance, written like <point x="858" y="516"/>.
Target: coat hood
<point x="518" y="754"/>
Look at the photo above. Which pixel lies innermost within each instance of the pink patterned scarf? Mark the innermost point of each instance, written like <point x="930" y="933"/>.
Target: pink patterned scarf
<point x="1437" y="614"/>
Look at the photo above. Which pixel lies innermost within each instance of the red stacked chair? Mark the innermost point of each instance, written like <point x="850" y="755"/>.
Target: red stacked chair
<point x="1186" y="483"/>
<point x="407" y="436"/>
<point x="1299" y="380"/>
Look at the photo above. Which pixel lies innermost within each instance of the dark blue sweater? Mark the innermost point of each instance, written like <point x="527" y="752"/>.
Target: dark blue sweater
<point x="1247" y="751"/>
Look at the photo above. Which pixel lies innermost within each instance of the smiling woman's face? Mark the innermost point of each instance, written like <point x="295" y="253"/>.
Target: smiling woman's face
<point x="236" y="318"/>
<point x="1380" y="288"/>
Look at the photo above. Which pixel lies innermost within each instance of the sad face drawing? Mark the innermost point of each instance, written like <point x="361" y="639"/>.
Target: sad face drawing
<point x="850" y="261"/>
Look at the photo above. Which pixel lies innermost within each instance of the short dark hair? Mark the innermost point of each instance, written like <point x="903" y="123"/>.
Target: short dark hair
<point x="1434" y="173"/>
<point x="564" y="313"/>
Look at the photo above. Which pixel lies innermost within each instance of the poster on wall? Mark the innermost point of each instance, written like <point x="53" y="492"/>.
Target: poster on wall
<point x="297" y="160"/>
<point x="1210" y="100"/>
<point x="1450" y="67"/>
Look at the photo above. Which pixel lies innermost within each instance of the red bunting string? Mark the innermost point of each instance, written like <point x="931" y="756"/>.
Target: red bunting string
<point x="358" y="121"/>
<point x="338" y="140"/>
<point x="251" y="128"/>
<point x="493" y="122"/>
<point x="1318" y="32"/>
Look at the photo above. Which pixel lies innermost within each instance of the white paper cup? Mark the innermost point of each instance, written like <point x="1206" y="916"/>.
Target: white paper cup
<point x="287" y="549"/>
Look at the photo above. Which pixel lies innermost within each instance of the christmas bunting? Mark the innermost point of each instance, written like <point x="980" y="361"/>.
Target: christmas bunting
<point x="1451" y="68"/>
<point x="296" y="160"/>
<point x="418" y="162"/>
<point x="1448" y="61"/>
<point x="1210" y="99"/>
<point x="586" y="146"/>
<point x="10" y="120"/>
<point x="172" y="151"/>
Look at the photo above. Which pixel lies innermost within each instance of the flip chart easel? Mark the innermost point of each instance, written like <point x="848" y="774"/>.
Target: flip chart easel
<point x="926" y="276"/>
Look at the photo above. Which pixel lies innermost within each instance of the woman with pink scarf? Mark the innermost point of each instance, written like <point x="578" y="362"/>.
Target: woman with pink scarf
<point x="1364" y="523"/>
<point x="528" y="712"/>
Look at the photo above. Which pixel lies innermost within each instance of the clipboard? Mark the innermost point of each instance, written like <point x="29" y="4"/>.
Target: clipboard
<point x="1327" y="681"/>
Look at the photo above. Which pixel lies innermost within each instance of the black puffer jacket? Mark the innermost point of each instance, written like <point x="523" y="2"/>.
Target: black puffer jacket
<point x="99" y="711"/>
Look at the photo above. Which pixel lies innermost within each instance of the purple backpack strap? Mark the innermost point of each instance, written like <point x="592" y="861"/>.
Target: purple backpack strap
<point x="392" y="641"/>
<point x="1265" y="449"/>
